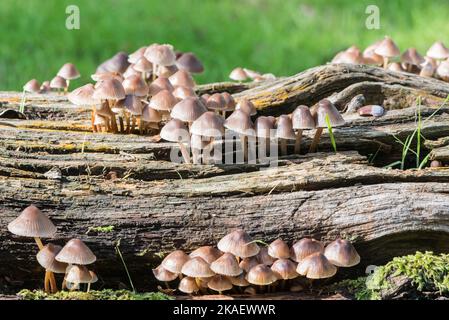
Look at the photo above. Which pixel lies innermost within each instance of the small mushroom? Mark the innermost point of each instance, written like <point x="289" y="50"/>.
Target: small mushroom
<point x="341" y="253"/>
<point x="436" y="164"/>
<point x="210" y="126"/>
<point x="438" y="51"/>
<point x="265" y="131"/>
<point x="188" y="285"/>
<point x="395" y="66"/>
<point x="162" y="274"/>
<point x="69" y="72"/>
<point x="371" y="110"/>
<point x="219" y="283"/>
<point x="111" y="91"/>
<point x="240" y="123"/>
<point x="135" y="85"/>
<point x="428" y="68"/>
<point x="239" y="243"/>
<point x="143" y="66"/>
<point x="133" y="109"/>
<point x="411" y="58"/>
<point x="285" y="269"/>
<point x="316" y="266"/>
<point x="46" y="258"/>
<point x="76" y="252"/>
<point x="302" y="120"/>
<point x="264" y="257"/>
<point x="261" y="275"/>
<point x="216" y="102"/>
<point x="189" y="62"/>
<point x="82" y="96"/>
<point x="305" y="247"/>
<point x="278" y="249"/>
<point x="160" y="55"/>
<point x="387" y="49"/>
<point x="188" y="110"/>
<point x="226" y="265"/>
<point x="58" y="83"/>
<point x="77" y="274"/>
<point x="164" y="101"/>
<point x="176" y="131"/>
<point x="247" y="263"/>
<point x="182" y="93"/>
<point x="246" y="106"/>
<point x="158" y="85"/>
<point x="208" y="253"/>
<point x="136" y="55"/>
<point x="238" y="74"/>
<point x="284" y="132"/>
<point x="175" y="261"/>
<point x="443" y="70"/>
<point x="118" y="64"/>
<point x="239" y="281"/>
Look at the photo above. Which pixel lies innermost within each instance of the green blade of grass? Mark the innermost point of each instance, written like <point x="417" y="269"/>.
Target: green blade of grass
<point x="392" y="164"/>
<point x="424" y="162"/>
<point x="117" y="249"/>
<point x="331" y="134"/>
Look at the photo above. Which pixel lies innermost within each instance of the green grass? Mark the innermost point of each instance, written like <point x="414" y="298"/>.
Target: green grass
<point x="106" y="294"/>
<point x="279" y="36"/>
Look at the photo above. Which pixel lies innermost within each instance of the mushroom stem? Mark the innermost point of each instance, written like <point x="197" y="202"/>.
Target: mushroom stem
<point x="94" y="128"/>
<point x="196" y="155"/>
<point x="244" y="142"/>
<point x="122" y="124"/>
<point x="133" y="124"/>
<point x="64" y="284"/>
<point x="128" y="123"/>
<point x="113" y="120"/>
<point x="47" y="283"/>
<point x="139" y="118"/>
<point x="298" y="141"/>
<point x="385" y="62"/>
<point x="283" y="147"/>
<point x="88" y="287"/>
<point x="39" y="242"/>
<point x="316" y="140"/>
<point x="53" y="285"/>
<point x="184" y="152"/>
<point x="66" y="88"/>
<point x="22" y="102"/>
<point x="154" y="72"/>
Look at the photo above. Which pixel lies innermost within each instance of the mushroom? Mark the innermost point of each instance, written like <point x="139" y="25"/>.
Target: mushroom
<point x="251" y="73"/>
<point x="428" y="68"/>
<point x="135" y="85"/>
<point x="190" y="63"/>
<point x="215" y="102"/>
<point x="198" y="143"/>
<point x="98" y="77"/>
<point x="210" y="126"/>
<point x="103" y="116"/>
<point x="278" y="249"/>
<point x="238" y="74"/>
<point x="208" y="253"/>
<point x="93" y="279"/>
<point x="136" y="55"/>
<point x="305" y="247"/>
<point x="184" y="92"/>
<point x="239" y="243"/>
<point x="229" y="103"/>
<point x="82" y="96"/>
<point x="239" y="281"/>
<point x="133" y="108"/>
<point x="143" y="66"/>
<point x="443" y="70"/>
<point x="188" y="285"/>
<point x="261" y="275"/>
<point x="438" y="51"/>
<point x="167" y="71"/>
<point x="175" y="261"/>
<point x="284" y="269"/>
<point x="176" y="131"/>
<point x="118" y="63"/>
<point x="387" y="49"/>
<point x="316" y="266"/>
<point x="158" y="85"/>
<point x="58" y="83"/>
<point x="264" y="257"/>
<point x="265" y="131"/>
<point x="45" y="87"/>
<point x="188" y="110"/>
<point x="163" y="101"/>
<point x="370" y="55"/>
<point x="247" y="263"/>
<point x="246" y="106"/>
<point x="77" y="274"/>
<point x="197" y="268"/>
<point x="162" y="274"/>
<point x="436" y="164"/>
<point x="325" y="108"/>
<point x="395" y="66"/>
<point x="69" y="72"/>
<point x="150" y="118"/>
<point x="160" y="55"/>
<point x="219" y="283"/>
<point x="284" y="132"/>
<point x="46" y="258"/>
<point x="76" y="252"/>
<point x="411" y="58"/>
<point x="302" y="120"/>
<point x="182" y="79"/>
<point x="226" y="265"/>
<point x="240" y="123"/>
<point x="101" y="123"/>
<point x="341" y="253"/>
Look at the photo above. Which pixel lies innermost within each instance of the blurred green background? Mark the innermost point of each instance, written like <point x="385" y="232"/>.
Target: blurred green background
<point x="278" y="36"/>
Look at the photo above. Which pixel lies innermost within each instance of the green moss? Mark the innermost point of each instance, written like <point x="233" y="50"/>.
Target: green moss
<point x="106" y="294"/>
<point x="101" y="229"/>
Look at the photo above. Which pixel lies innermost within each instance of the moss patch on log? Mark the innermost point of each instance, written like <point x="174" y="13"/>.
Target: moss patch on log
<point x="106" y="294"/>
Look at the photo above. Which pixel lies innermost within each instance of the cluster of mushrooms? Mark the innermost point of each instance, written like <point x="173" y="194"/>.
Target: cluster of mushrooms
<point x="70" y="260"/>
<point x="387" y="54"/>
<point x="239" y="263"/>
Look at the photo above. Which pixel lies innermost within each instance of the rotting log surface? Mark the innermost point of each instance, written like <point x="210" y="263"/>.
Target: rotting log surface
<point x="156" y="206"/>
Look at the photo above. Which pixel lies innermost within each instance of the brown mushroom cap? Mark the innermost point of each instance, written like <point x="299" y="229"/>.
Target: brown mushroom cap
<point x="325" y="107"/>
<point x="158" y="85"/>
<point x="184" y="92"/>
<point x="208" y="253"/>
<point x="240" y="280"/>
<point x="316" y="266"/>
<point x="395" y="66"/>
<point x="219" y="283"/>
<point x="264" y="127"/>
<point x="305" y="247"/>
<point x="58" y="83"/>
<point x="197" y="267"/>
<point x="182" y="79"/>
<point x="118" y="63"/>
<point x="175" y="131"/>
<point x="190" y="63"/>
<point x="387" y="48"/>
<point x="438" y="51"/>
<point x="188" y="110"/>
<point x="78" y="274"/>
<point x="160" y="54"/>
<point x="150" y="115"/>
<point x="238" y="74"/>
<point x="98" y="77"/>
<point x="240" y="122"/>
<point x="284" y="269"/>
<point x="188" y="285"/>
<point x="261" y="275"/>
<point x="239" y="243"/>
<point x="69" y="72"/>
<point x="76" y="252"/>
<point x="132" y="104"/>
<point x="264" y="257"/>
<point x="136" y="55"/>
<point x="93" y="277"/>
<point x="342" y="253"/>
<point x="162" y="274"/>
<point x="247" y="263"/>
<point x="279" y="249"/>
<point x="302" y="119"/>
<point x="174" y="261"/>
<point x="46" y="258"/>
<point x="164" y="100"/>
<point x="246" y="106"/>
<point x="251" y="73"/>
<point x="412" y="56"/>
<point x="216" y="102"/>
<point x="166" y="71"/>
<point x="109" y="89"/>
<point x="135" y="85"/>
<point x="284" y="128"/>
<point x="32" y="86"/>
<point x="143" y="65"/>
<point x="350" y="57"/>
<point x="229" y="102"/>
<point x="32" y="223"/>
<point x="208" y="124"/>
<point x="443" y="70"/>
<point x="82" y="96"/>
<point x="226" y="265"/>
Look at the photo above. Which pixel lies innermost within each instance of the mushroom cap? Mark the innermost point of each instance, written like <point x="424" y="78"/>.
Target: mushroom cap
<point x="136" y="55"/>
<point x="412" y="56"/>
<point x="150" y="115"/>
<point x="208" y="124"/>
<point x="370" y="56"/>
<point x="188" y="285"/>
<point x="197" y="267"/>
<point x="285" y="269"/>
<point x="98" y="77"/>
<point x="261" y="275"/>
<point x="32" y="86"/>
<point x="32" y="223"/>
<point x="188" y="110"/>
<point x="239" y="243"/>
<point x="83" y="95"/>
<point x="387" y="48"/>
<point x="199" y="142"/>
<point x="166" y="71"/>
<point x="350" y="57"/>
<point x="229" y="102"/>
<point x="78" y="274"/>
<point x="264" y="127"/>
<point x="164" y="100"/>
<point x="182" y="79"/>
<point x="226" y="265"/>
<point x="69" y="72"/>
<point x="109" y="89"/>
<point x="46" y="258"/>
<point x="184" y="92"/>
<point x="240" y="122"/>
<point x="143" y="65"/>
<point x="395" y="66"/>
<point x="279" y="249"/>
<point x="219" y="283"/>
<point x="305" y="247"/>
<point x="325" y="107"/>
<point x="342" y="253"/>
<point x="160" y="54"/>
<point x="160" y="84"/>
<point x="76" y="252"/>
<point x="316" y="266"/>
<point x="428" y="68"/>
<point x="58" y="82"/>
<point x="216" y="102"/>
<point x="118" y="63"/>
<point x="240" y="280"/>
<point x="284" y="128"/>
<point x="246" y="106"/>
<point x="93" y="277"/>
<point x="162" y="274"/>
<point x="247" y="263"/>
<point x="132" y="104"/>
<point x="251" y="73"/>
<point x="208" y="253"/>
<point x="45" y="86"/>
<point x="135" y="85"/>
<point x="175" y="131"/>
<point x="174" y="261"/>
<point x="438" y="51"/>
<point x="264" y="257"/>
<point x="443" y="70"/>
<point x="130" y="71"/>
<point x="238" y="74"/>
<point x="302" y="119"/>
<point x="189" y="62"/>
